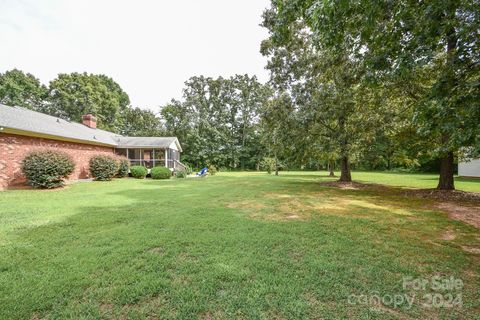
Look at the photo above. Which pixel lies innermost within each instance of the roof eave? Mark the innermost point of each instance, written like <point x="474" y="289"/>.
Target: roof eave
<point x="53" y="137"/>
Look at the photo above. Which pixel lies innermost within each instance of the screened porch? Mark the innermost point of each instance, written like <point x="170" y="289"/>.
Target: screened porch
<point x="151" y="157"/>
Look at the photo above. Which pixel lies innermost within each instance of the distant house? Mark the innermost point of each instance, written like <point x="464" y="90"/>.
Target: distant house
<point x="469" y="168"/>
<point x="23" y="130"/>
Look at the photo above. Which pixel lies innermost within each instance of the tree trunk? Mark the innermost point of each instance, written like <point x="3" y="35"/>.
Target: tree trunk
<point x="446" y="181"/>
<point x="331" y="168"/>
<point x="276" y="165"/>
<point x="345" y="175"/>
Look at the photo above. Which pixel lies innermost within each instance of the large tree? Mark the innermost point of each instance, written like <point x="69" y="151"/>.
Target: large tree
<point x="22" y="89"/>
<point x="396" y="40"/>
<point x="75" y="94"/>
<point x="333" y="117"/>
<point x="141" y="123"/>
<point x="217" y="120"/>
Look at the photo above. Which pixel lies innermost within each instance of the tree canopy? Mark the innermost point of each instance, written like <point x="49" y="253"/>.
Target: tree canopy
<point x="76" y="94"/>
<point x="427" y="51"/>
<point x="22" y="89"/>
<point x="217" y="120"/>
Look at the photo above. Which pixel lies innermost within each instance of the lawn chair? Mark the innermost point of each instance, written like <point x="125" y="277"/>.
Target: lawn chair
<point x="202" y="173"/>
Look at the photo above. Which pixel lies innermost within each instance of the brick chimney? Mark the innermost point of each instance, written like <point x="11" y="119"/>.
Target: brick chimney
<point x="90" y="121"/>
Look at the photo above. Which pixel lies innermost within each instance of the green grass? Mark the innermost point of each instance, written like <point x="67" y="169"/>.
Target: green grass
<point x="236" y="245"/>
<point x="416" y="180"/>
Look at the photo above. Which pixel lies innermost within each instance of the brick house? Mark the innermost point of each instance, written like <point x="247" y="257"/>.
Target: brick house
<point x="23" y="130"/>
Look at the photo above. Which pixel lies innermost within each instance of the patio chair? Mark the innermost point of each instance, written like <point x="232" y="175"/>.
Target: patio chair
<point x="202" y="173"/>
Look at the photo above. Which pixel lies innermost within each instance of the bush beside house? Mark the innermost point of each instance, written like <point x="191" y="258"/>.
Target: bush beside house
<point x="123" y="167"/>
<point x="103" y="167"/>
<point x="138" y="172"/>
<point x="161" y="173"/>
<point x="47" y="168"/>
<point x="181" y="174"/>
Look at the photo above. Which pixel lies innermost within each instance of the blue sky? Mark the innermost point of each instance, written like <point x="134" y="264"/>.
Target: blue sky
<point x="149" y="47"/>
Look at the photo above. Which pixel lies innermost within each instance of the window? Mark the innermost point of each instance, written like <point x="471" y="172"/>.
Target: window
<point x="121" y="152"/>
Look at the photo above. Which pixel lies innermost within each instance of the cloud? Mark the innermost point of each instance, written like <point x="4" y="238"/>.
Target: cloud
<point x="149" y="47"/>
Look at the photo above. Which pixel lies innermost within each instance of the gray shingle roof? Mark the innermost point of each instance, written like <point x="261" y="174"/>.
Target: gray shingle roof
<point x="19" y="118"/>
<point x="147" y="142"/>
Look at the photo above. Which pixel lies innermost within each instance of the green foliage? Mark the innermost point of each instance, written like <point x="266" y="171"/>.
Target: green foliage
<point x="268" y="164"/>
<point x="212" y="170"/>
<point x="20" y="89"/>
<point x="423" y="52"/>
<point x="47" y="168"/>
<point x="218" y="120"/>
<point x="138" y="172"/>
<point x="123" y="167"/>
<point x="76" y="94"/>
<point x="161" y="173"/>
<point x="181" y="174"/>
<point x="188" y="169"/>
<point x="141" y="123"/>
<point x="103" y="167"/>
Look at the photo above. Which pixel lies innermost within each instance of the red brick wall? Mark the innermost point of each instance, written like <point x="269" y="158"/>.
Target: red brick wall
<point x="13" y="148"/>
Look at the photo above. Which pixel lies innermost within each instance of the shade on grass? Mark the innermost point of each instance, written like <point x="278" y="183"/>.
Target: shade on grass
<point x="243" y="245"/>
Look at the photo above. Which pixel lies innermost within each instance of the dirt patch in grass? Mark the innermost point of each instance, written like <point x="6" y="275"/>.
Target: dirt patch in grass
<point x="444" y="195"/>
<point x="460" y="205"/>
<point x="246" y="204"/>
<point x="156" y="250"/>
<point x="350" y="185"/>
<point x="474" y="250"/>
<point x="449" y="235"/>
<point x="463" y="212"/>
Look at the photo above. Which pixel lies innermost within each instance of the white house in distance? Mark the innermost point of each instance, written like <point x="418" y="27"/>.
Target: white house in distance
<point x="469" y="168"/>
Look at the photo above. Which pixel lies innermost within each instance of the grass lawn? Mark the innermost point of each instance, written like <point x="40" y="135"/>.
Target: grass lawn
<point x="236" y="245"/>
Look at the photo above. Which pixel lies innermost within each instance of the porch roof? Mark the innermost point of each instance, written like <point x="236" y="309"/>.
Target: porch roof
<point x="147" y="142"/>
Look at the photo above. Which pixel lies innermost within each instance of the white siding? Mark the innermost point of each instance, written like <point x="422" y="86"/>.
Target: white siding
<point x="469" y="169"/>
<point x="173" y="146"/>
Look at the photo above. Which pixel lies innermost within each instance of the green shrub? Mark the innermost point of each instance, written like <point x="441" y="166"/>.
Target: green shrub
<point x="212" y="170"/>
<point x="188" y="169"/>
<point x="181" y="174"/>
<point x="268" y="164"/>
<point x="103" y="167"/>
<point x="123" y="167"/>
<point x="160" y="173"/>
<point x="47" y="168"/>
<point x="138" y="172"/>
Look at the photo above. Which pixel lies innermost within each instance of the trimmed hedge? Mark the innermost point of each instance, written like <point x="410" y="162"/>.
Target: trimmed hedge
<point x="181" y="174"/>
<point x="103" y="167"/>
<point x="47" y="168"/>
<point x="161" y="173"/>
<point x="138" y="172"/>
<point x="123" y="167"/>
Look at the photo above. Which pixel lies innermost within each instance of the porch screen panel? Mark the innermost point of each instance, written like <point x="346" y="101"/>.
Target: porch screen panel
<point x="135" y="156"/>
<point x="121" y="152"/>
<point x="159" y="157"/>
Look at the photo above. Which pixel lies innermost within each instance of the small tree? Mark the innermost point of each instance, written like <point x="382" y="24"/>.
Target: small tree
<point x="268" y="164"/>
